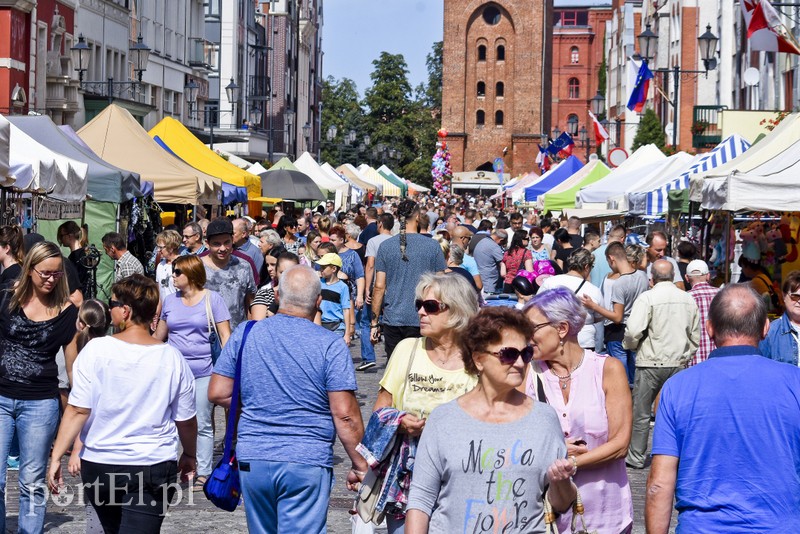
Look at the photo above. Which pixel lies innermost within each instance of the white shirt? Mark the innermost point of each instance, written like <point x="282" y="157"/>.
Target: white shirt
<point x="586" y="337"/>
<point x="164" y="279"/>
<point x="135" y="393"/>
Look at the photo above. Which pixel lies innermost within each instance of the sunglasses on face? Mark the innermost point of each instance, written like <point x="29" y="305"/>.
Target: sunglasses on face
<point x="114" y="304"/>
<point x="430" y="306"/>
<point x="176" y="272"/>
<point x="188" y="236"/>
<point x="509" y="355"/>
<point x="794" y="297"/>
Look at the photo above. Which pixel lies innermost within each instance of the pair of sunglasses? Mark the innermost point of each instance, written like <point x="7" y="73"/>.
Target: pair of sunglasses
<point x="176" y="272"/>
<point x="509" y="355"/>
<point x="794" y="297"/>
<point x="114" y="304"/>
<point x="430" y="306"/>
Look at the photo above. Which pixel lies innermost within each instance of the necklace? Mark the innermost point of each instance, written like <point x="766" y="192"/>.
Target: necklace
<point x="565" y="380"/>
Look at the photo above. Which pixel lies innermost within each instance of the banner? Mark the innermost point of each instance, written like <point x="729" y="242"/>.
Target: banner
<point x="53" y="210"/>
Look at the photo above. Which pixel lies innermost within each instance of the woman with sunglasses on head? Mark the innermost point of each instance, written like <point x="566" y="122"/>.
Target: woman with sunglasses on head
<point x="132" y="401"/>
<point x="488" y="459"/>
<point x="168" y="245"/>
<point x="184" y="318"/>
<point x="36" y="320"/>
<point x="591" y="394"/>
<point x="426" y="372"/>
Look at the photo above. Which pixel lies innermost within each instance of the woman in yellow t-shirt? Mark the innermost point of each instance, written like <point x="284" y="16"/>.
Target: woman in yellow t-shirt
<point x="428" y="371"/>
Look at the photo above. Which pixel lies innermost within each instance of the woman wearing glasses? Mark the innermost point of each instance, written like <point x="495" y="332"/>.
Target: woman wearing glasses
<point x="781" y="343"/>
<point x="488" y="459"/>
<point x="36" y="320"/>
<point x="168" y="244"/>
<point x="185" y="318"/>
<point x="426" y="372"/>
<point x="591" y="395"/>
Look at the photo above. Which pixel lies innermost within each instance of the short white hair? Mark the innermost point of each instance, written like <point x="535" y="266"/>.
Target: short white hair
<point x="300" y="287"/>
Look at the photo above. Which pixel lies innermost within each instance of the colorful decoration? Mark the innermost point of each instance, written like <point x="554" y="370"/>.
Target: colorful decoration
<point x="440" y="165"/>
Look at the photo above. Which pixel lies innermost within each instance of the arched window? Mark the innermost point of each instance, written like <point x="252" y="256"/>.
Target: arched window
<point x="501" y="53"/>
<point x="481" y="89"/>
<point x="498" y="118"/>
<point x="574" y="55"/>
<point x="480" y="117"/>
<point x="499" y="89"/>
<point x="572" y="125"/>
<point x="574" y="88"/>
<point x="481" y="53"/>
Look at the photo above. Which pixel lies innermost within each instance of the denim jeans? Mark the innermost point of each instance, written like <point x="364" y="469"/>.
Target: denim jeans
<point x="627" y="357"/>
<point x="363" y="318"/>
<point x="284" y="496"/>
<point x="205" y="433"/>
<point x="35" y="422"/>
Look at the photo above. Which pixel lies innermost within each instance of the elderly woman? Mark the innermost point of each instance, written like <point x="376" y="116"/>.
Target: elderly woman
<point x="488" y="459"/>
<point x="426" y="372"/>
<point x="579" y="266"/>
<point x="132" y="400"/>
<point x="781" y="343"/>
<point x="591" y="393"/>
<point x="167" y="243"/>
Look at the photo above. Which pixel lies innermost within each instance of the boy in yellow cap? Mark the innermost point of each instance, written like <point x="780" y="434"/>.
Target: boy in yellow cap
<point x="335" y="307"/>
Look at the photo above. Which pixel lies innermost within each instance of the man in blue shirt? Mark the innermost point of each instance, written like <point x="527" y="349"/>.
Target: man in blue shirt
<point x="726" y="445"/>
<point x="297" y="394"/>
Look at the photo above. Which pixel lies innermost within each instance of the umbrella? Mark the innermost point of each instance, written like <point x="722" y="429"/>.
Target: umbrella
<point x="289" y="185"/>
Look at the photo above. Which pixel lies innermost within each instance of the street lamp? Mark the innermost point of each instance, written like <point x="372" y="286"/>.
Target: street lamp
<point x="255" y="115"/>
<point x="583" y="136"/>
<point x="556" y="132"/>
<point x="331" y="135"/>
<point x="139" y="55"/>
<point x="307" y="135"/>
<point x="648" y="42"/>
<point x="708" y="48"/>
<point x="231" y="91"/>
<point x="597" y="104"/>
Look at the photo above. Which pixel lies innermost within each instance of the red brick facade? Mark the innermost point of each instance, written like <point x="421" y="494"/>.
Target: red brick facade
<point x="504" y="83"/>
<point x="578" y="37"/>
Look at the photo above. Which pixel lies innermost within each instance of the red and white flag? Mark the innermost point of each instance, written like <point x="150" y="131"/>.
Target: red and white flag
<point x="600" y="133"/>
<point x="766" y="30"/>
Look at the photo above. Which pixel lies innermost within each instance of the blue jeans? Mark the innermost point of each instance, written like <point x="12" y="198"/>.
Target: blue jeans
<point x="363" y="318"/>
<point x="627" y="357"/>
<point x="285" y="497"/>
<point x="35" y="422"/>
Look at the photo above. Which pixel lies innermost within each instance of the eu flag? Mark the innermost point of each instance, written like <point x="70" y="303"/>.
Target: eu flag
<point x="639" y="94"/>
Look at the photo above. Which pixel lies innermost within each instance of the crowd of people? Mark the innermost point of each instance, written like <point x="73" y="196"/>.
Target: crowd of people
<point x="527" y="357"/>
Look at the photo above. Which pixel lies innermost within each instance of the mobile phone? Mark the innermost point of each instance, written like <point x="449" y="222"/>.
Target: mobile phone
<point x="579" y="442"/>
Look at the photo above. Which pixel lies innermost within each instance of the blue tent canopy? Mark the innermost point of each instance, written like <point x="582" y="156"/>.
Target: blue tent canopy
<point x="569" y="167"/>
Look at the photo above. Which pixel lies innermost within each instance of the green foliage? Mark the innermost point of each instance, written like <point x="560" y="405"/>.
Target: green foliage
<point x="601" y="75"/>
<point x="649" y="131"/>
<point x="340" y="108"/>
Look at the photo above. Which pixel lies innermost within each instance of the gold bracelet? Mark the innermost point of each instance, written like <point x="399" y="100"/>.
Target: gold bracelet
<point x="574" y="464"/>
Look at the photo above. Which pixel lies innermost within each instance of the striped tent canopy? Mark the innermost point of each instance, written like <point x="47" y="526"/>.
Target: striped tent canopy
<point x="728" y="149"/>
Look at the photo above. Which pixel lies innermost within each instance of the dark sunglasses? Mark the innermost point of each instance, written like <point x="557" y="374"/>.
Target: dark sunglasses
<point x="794" y="297"/>
<point x="430" y="306"/>
<point x="176" y="272"/>
<point x="114" y="304"/>
<point x="509" y="355"/>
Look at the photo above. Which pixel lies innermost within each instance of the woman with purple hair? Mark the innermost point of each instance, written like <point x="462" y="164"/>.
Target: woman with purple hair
<point x="591" y="394"/>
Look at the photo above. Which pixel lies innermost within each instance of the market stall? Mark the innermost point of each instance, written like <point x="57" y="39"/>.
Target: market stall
<point x="388" y="174"/>
<point x="388" y="189"/>
<point x="355" y="176"/>
<point x="549" y="180"/>
<point x="563" y="195"/>
<point x="334" y="187"/>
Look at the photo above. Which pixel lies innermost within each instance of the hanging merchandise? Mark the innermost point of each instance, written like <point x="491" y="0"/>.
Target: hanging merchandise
<point x="440" y="168"/>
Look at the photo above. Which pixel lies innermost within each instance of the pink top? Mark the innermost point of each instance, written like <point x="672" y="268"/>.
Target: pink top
<point x="604" y="490"/>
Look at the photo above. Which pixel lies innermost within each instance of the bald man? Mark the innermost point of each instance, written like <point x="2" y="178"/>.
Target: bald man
<point x="461" y="236"/>
<point x="664" y="330"/>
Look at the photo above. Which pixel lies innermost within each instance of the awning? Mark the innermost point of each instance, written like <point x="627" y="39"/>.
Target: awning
<point x="588" y="216"/>
<point x="5" y="141"/>
<point x="352" y="174"/>
<point x="190" y="149"/>
<point x="628" y="173"/>
<point x="563" y="195"/>
<point x="674" y="165"/>
<point x="567" y="168"/>
<point x="105" y="183"/>
<point x="387" y="173"/>
<point x="388" y="189"/>
<point x="119" y="139"/>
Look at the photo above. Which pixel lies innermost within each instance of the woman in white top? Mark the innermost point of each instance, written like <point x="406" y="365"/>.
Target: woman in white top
<point x="168" y="244"/>
<point x="132" y="400"/>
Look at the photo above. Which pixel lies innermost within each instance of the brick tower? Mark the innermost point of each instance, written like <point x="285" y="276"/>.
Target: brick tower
<point x="496" y="92"/>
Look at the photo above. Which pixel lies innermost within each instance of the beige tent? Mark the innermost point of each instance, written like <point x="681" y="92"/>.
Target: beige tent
<point x="117" y="138"/>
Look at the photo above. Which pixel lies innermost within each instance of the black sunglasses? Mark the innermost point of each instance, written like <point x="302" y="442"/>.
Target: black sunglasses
<point x="114" y="304"/>
<point x="430" y="306"/>
<point x="509" y="355"/>
<point x="176" y="272"/>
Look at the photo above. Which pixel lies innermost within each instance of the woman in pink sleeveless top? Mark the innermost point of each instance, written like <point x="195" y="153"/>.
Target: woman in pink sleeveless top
<point x="590" y="393"/>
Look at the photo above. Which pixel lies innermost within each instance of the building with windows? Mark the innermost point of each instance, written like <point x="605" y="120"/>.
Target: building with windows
<point x="578" y="38"/>
<point x="495" y="93"/>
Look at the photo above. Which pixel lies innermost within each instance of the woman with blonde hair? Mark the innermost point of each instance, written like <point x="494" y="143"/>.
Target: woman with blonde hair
<point x="36" y="320"/>
<point x="168" y="244"/>
<point x="313" y="240"/>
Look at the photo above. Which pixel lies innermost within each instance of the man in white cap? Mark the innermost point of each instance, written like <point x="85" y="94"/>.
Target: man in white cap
<point x="703" y="293"/>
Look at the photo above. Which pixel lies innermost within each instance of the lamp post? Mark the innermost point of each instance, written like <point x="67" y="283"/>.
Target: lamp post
<point x="707" y="43"/>
<point x="556" y="132"/>
<point x="232" y="92"/>
<point x="307" y="136"/>
<point x="139" y="54"/>
<point x="583" y="136"/>
<point x="597" y="104"/>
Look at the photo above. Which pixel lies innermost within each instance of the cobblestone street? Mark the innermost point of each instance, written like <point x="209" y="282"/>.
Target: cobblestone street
<point x="195" y="514"/>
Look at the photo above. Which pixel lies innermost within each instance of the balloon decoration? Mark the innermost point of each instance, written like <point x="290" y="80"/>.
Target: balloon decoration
<point x="440" y="166"/>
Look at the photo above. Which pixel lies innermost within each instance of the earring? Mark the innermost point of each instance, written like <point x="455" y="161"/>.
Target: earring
<point x="562" y="346"/>
<point x="122" y="325"/>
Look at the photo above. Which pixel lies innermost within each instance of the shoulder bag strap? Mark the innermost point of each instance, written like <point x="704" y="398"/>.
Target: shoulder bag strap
<point x="537" y="376"/>
<point x="212" y="324"/>
<point x="580" y="286"/>
<point x="233" y="417"/>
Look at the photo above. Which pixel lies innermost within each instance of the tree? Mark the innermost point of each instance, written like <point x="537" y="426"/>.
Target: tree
<point x="601" y="75"/>
<point x="649" y="131"/>
<point x="340" y="108"/>
<point x="433" y="91"/>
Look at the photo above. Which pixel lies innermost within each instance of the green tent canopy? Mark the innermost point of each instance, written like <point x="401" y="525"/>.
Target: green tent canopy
<point x="566" y="199"/>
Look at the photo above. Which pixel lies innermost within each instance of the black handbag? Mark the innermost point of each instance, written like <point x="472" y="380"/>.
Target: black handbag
<point x="223" y="487"/>
<point x="213" y="335"/>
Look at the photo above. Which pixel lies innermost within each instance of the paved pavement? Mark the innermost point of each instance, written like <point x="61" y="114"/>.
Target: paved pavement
<point x="194" y="513"/>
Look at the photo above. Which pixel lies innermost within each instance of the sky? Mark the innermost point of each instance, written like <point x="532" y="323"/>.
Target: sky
<point x="355" y="32"/>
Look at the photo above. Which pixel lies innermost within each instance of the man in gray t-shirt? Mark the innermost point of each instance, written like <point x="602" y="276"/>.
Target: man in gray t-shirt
<point x="488" y="255"/>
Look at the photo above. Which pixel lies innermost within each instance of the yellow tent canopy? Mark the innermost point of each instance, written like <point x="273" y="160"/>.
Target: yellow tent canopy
<point x="389" y="189"/>
<point x="190" y="149"/>
<point x="116" y="137"/>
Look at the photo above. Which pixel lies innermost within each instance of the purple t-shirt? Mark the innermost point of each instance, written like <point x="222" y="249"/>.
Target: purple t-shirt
<point x="188" y="329"/>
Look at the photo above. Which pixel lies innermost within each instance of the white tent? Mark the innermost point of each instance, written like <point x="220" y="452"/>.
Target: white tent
<point x="675" y="164"/>
<point x="786" y="134"/>
<point x="256" y="168"/>
<point x="59" y="177"/>
<point x="5" y="133"/>
<point x="358" y="177"/>
<point x="771" y="186"/>
<point x="308" y="165"/>
<point x="356" y="191"/>
<point x="596" y="196"/>
<point x="233" y="158"/>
